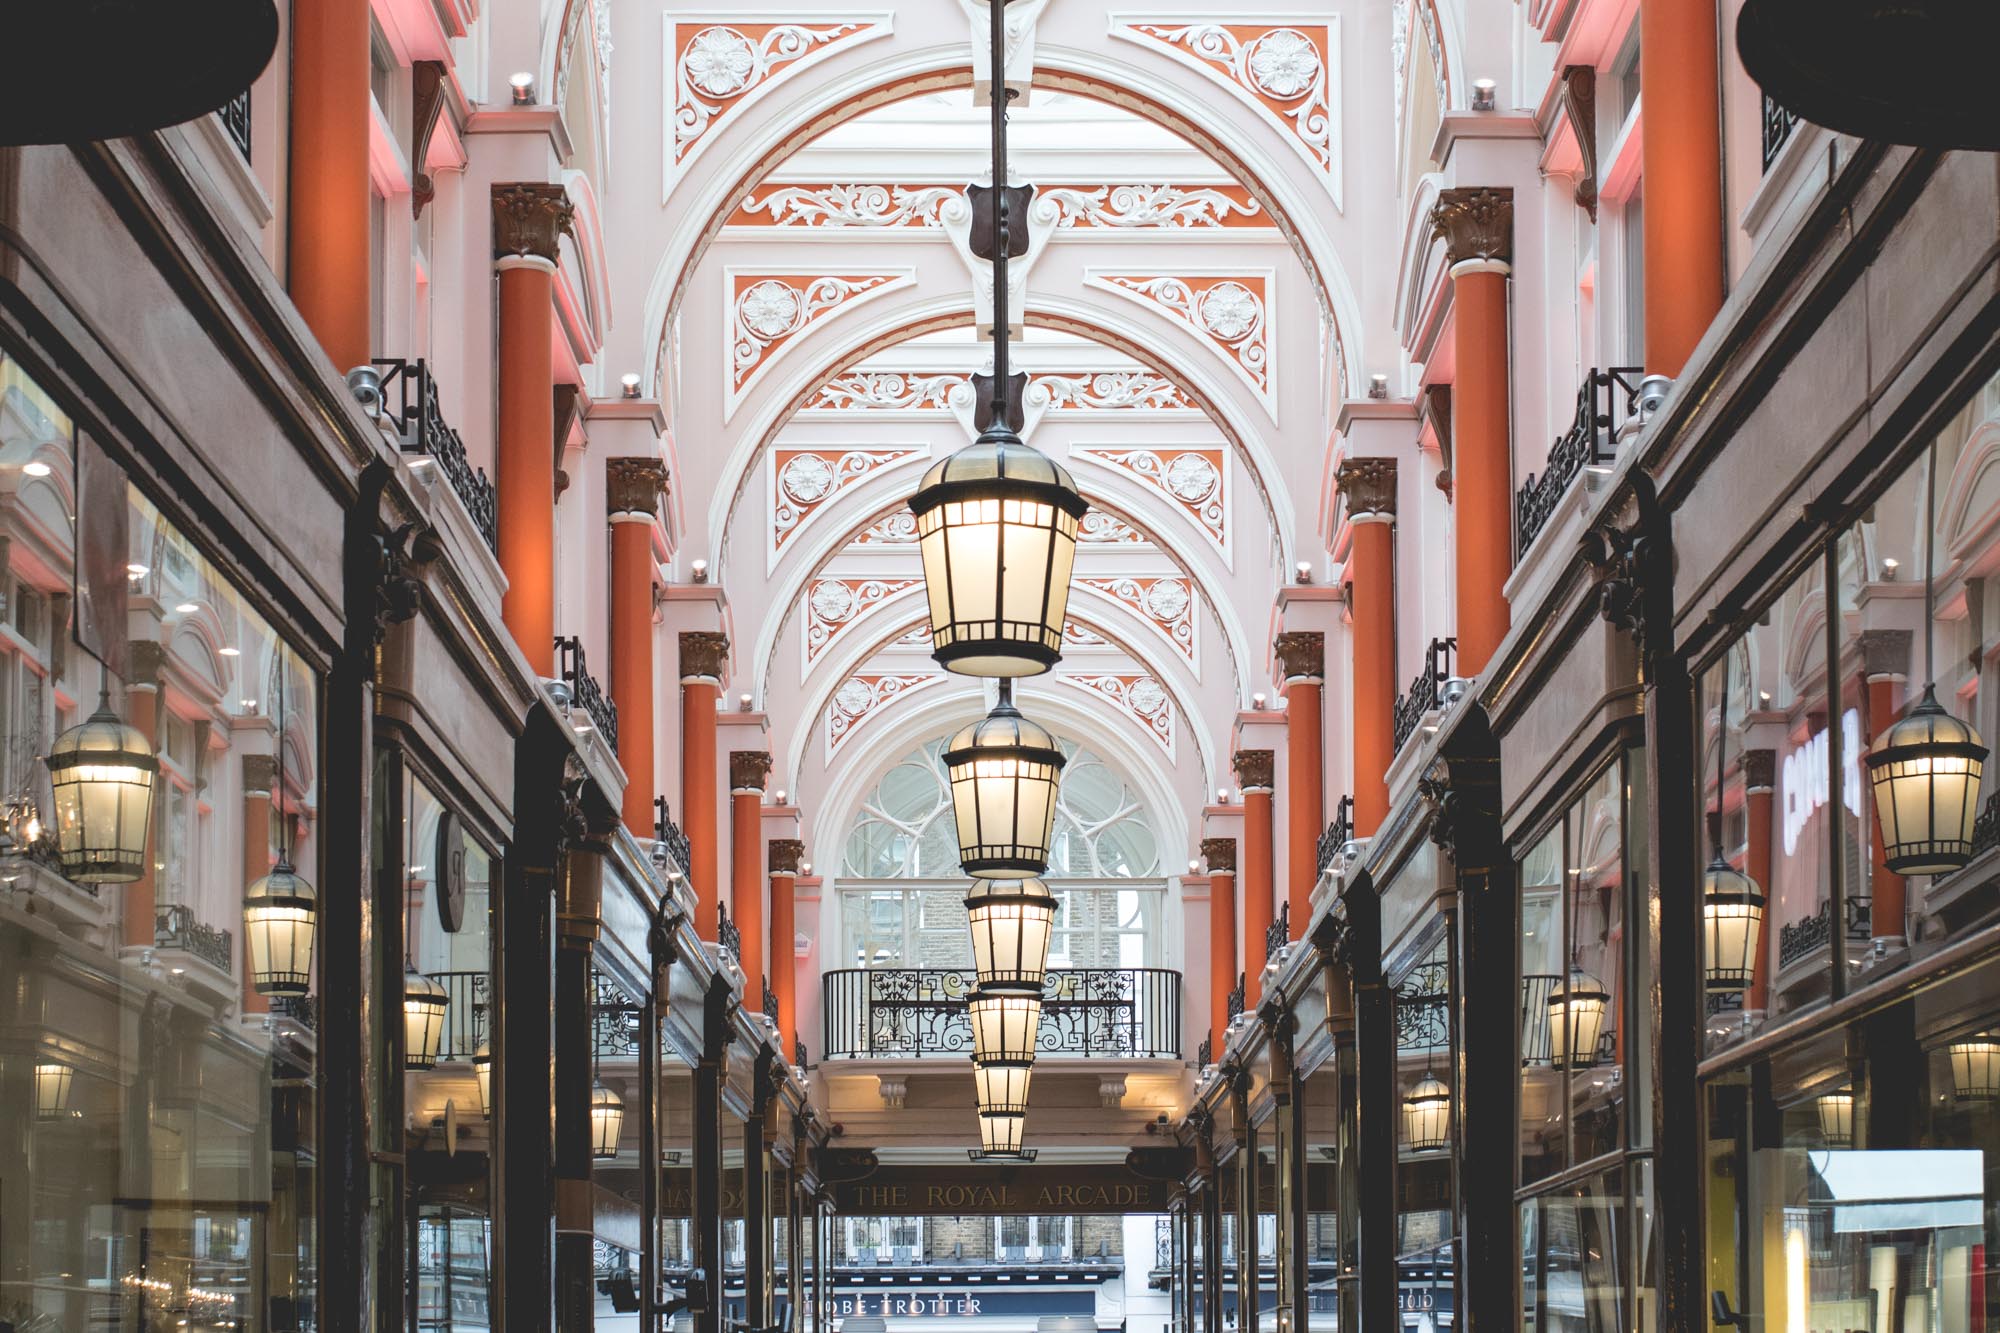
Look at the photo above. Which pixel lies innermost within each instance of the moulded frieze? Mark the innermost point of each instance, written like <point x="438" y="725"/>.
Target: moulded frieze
<point x="1231" y="313"/>
<point x="835" y="605"/>
<point x="802" y="480"/>
<point x="860" y="697"/>
<point x="767" y="310"/>
<point x="1165" y="602"/>
<point x="1195" y="480"/>
<point x="1138" y="695"/>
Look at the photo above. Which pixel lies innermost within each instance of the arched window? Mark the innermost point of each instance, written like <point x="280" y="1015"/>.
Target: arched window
<point x="904" y="831"/>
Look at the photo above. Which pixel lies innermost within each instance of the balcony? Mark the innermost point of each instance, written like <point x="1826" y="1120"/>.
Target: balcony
<point x="1338" y="834"/>
<point x="1799" y="940"/>
<point x="1424" y="695"/>
<point x="465" y="1013"/>
<point x="410" y="396"/>
<point x="1129" y="1013"/>
<point x="1778" y="126"/>
<point x="177" y="927"/>
<point x="1605" y="401"/>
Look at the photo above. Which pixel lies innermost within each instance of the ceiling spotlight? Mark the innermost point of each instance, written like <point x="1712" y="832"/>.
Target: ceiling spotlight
<point x="35" y="469"/>
<point x="1305" y="572"/>
<point x="137" y="570"/>
<point x="1890" y="564"/>
<point x="1483" y="97"/>
<point x="1222" y="796"/>
<point x="805" y="867"/>
<point x="186" y="609"/>
<point x="1257" y="702"/>
<point x="743" y="703"/>
<point x="630" y="385"/>
<point x="780" y="794"/>
<point x="230" y="652"/>
<point x="1194" y="866"/>
<point x="698" y="571"/>
<point x="523" y="85"/>
<point x="1378" y="386"/>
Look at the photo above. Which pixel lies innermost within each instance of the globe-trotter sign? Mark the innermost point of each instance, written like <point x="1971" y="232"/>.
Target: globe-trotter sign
<point x="944" y="1190"/>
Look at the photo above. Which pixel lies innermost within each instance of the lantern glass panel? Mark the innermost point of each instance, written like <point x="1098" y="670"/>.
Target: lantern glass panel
<point x="1004" y="1026"/>
<point x="1732" y="915"/>
<point x="1975" y="1068"/>
<point x="1011" y="922"/>
<point x="1002" y="1134"/>
<point x="482" y="1072"/>
<point x="1001" y="1088"/>
<point x="52" y="1084"/>
<point x="1003" y="772"/>
<point x="1836" y="1119"/>
<point x="1576" y="1020"/>
<point x="1427" y="1115"/>
<point x="1925" y="771"/>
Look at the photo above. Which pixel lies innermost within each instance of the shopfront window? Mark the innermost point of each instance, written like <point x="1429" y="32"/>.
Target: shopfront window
<point x="1852" y="1179"/>
<point x="1323" y="1143"/>
<point x="1426" y="1092"/>
<point x="159" y="1167"/>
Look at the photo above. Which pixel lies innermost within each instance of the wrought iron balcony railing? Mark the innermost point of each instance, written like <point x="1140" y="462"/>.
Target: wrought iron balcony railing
<point x="584" y="691"/>
<point x="1338" y="834"/>
<point x="680" y="853"/>
<point x="1279" y="934"/>
<point x="301" y="1009"/>
<point x="614" y="1018"/>
<point x="1204" y="1054"/>
<point x="1778" y="126"/>
<point x="235" y="114"/>
<point x="1422" y="695"/>
<point x="909" y="1013"/>
<point x="1236" y="994"/>
<point x="1986" y="827"/>
<point x="176" y="927"/>
<point x="1604" y="401"/>
<point x="770" y="1003"/>
<point x="1802" y="939"/>
<point x="465" y="1013"/>
<point x="727" y="935"/>
<point x="411" y="388"/>
<point x="799" y="1060"/>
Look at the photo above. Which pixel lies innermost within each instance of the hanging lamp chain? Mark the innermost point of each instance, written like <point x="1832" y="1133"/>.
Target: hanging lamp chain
<point x="997" y="10"/>
<point x="1930" y="566"/>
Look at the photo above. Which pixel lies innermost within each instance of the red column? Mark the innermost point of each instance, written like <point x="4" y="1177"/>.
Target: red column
<point x="1759" y="769"/>
<point x="702" y="654"/>
<point x="260" y="773"/>
<point x="1368" y="489"/>
<point x="327" y="226"/>
<point x="1254" y="776"/>
<point x="142" y="710"/>
<point x="528" y="221"/>
<point x="748" y="771"/>
<point x="1887" y="891"/>
<point x="785" y="856"/>
<point x="633" y="489"/>
<point x="1478" y="226"/>
<point x="1682" y="146"/>
<point x="1220" y="854"/>
<point x="1302" y="656"/>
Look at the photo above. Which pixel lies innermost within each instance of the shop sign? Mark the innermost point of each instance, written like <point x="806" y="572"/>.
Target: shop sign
<point x="1020" y="1190"/>
<point x="1805" y="780"/>
<point x="961" y="1304"/>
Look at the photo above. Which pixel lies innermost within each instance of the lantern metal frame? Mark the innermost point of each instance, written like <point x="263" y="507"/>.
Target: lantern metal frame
<point x="1005" y="1027"/>
<point x="1001" y="1137"/>
<point x="424" y="1006"/>
<point x="1730" y="901"/>
<point x="1924" y="770"/>
<point x="999" y="769"/>
<point x="1012" y="922"/>
<point x="997" y="521"/>
<point x="103" y="759"/>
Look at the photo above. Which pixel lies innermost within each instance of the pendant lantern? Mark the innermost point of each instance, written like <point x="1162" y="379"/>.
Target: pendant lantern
<point x="102" y="772"/>
<point x="1000" y="1137"/>
<point x="1836" y="1119"/>
<point x="1925" y="772"/>
<point x="1427" y="1115"/>
<point x="1004" y="1026"/>
<point x="1004" y="771"/>
<point x="996" y="524"/>
<point x="1576" y="1019"/>
<point x="280" y="914"/>
<point x="1732" y="920"/>
<point x="52" y="1084"/>
<point x="607" y="1120"/>
<point x="1975" y="1068"/>
<point x="482" y="1070"/>
<point x="1011" y="920"/>
<point x="424" y="1005"/>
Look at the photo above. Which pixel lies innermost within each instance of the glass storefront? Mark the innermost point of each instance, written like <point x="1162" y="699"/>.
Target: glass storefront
<point x="158" y="1164"/>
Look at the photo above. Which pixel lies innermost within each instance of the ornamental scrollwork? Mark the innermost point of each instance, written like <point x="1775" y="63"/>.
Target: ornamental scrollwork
<point x="1141" y="697"/>
<point x="869" y="206"/>
<point x="1164" y="602"/>
<point x="805" y="479"/>
<point x="768" y="310"/>
<point x="1192" y="478"/>
<point x="1230" y="313"/>
<point x="834" y="606"/>
<point x="718" y="65"/>
<point x="859" y="697"/>
<point x="1282" y="67"/>
<point x="1185" y="207"/>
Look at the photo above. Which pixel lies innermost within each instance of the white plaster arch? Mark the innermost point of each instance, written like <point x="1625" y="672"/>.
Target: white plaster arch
<point x="940" y="713"/>
<point x="1230" y="404"/>
<point x="1115" y="621"/>
<point x="843" y="86"/>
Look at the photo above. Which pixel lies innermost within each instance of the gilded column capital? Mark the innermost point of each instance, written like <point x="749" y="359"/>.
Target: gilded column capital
<point x="1368" y="485"/>
<point x="1220" y="853"/>
<point x="1301" y="654"/>
<point x="1760" y="770"/>
<point x="260" y="773"/>
<point x="1256" y="770"/>
<point x="529" y="219"/>
<point x="703" y="652"/>
<point x="634" y="485"/>
<point x="1885" y="653"/>
<point x="786" y="855"/>
<point x="1476" y="223"/>
<point x="749" y="769"/>
<point x="144" y="660"/>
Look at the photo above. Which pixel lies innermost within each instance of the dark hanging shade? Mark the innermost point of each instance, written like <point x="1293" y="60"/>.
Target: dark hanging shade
<point x="1906" y="71"/>
<point x="104" y="69"/>
<point x="996" y="523"/>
